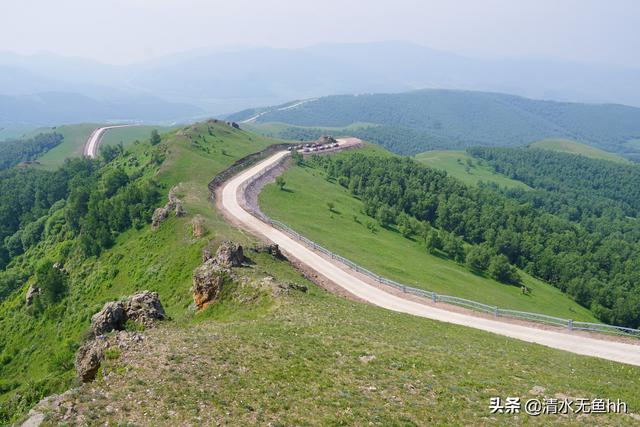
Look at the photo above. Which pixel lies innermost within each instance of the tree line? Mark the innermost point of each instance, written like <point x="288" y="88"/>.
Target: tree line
<point x="86" y="202"/>
<point x="600" y="271"/>
<point x="15" y="151"/>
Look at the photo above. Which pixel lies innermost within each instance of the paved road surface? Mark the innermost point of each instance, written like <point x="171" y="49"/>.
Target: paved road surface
<point x="230" y="204"/>
<point x="93" y="143"/>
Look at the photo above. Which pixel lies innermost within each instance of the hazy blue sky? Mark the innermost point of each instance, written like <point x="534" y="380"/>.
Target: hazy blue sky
<point x="118" y="31"/>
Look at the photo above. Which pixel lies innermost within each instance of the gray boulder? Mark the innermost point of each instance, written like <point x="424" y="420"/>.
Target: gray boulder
<point x="88" y="359"/>
<point x="32" y="292"/>
<point x="208" y="281"/>
<point x="159" y="215"/>
<point x="229" y="254"/>
<point x="179" y="209"/>
<point x="112" y="317"/>
<point x="144" y="308"/>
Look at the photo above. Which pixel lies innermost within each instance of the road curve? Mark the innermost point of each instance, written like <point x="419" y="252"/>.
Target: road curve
<point x="93" y="142"/>
<point x="230" y="203"/>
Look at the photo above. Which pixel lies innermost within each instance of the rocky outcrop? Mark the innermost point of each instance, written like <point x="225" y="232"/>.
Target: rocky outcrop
<point x="90" y="356"/>
<point x="159" y="215"/>
<point x="278" y="288"/>
<point x="179" y="210"/>
<point x="32" y="292"/>
<point x="229" y="254"/>
<point x="208" y="281"/>
<point x="273" y="250"/>
<point x="197" y="227"/>
<point x="174" y="204"/>
<point x="112" y="317"/>
<point x="144" y="308"/>
<point x="215" y="271"/>
<point x="88" y="359"/>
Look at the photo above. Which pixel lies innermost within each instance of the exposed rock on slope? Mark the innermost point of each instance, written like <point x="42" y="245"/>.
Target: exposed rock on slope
<point x="208" y="280"/>
<point x="144" y="308"/>
<point x="112" y="317"/>
<point x="32" y="292"/>
<point x="272" y="249"/>
<point x="174" y="204"/>
<point x="88" y="358"/>
<point x="229" y="254"/>
<point x="210" y="277"/>
<point x="197" y="226"/>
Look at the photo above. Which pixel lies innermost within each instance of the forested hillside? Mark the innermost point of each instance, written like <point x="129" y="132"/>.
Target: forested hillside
<point x="594" y="187"/>
<point x="413" y="122"/>
<point x="15" y="151"/>
<point x="598" y="266"/>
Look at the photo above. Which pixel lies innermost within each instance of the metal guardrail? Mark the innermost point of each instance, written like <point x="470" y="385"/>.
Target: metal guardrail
<point x="435" y="297"/>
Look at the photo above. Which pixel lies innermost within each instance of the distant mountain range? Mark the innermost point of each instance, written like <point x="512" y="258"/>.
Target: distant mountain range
<point x="203" y="83"/>
<point x="55" y="108"/>
<point x="417" y="121"/>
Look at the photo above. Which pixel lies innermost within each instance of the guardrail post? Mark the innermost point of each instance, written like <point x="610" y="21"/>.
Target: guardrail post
<point x="570" y="324"/>
<point x="496" y="312"/>
<point x="404" y="289"/>
<point x="434" y="297"/>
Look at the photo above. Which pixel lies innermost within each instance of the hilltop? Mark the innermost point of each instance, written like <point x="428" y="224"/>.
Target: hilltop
<point x="413" y="122"/>
<point x="573" y="147"/>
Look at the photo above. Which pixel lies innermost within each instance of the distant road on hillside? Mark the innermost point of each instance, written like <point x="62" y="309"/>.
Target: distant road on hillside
<point x="93" y="143"/>
<point x="230" y="201"/>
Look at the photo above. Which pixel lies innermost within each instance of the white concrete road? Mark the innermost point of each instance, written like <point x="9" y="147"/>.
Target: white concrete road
<point x="93" y="143"/>
<point x="341" y="276"/>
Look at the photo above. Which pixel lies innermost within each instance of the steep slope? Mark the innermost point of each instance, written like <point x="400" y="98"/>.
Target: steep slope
<point x="37" y="349"/>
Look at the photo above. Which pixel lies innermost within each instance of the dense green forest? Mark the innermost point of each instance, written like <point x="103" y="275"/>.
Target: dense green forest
<point x="15" y="151"/>
<point x="600" y="270"/>
<point x="594" y="187"/>
<point x="429" y="118"/>
<point x="85" y="202"/>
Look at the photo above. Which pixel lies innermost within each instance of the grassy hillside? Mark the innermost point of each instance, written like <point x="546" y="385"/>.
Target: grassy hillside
<point x="462" y="166"/>
<point x="573" y="147"/>
<point x="418" y="121"/>
<point x="316" y="359"/>
<point x="36" y="354"/>
<point x="301" y="358"/>
<point x="74" y="138"/>
<point x="76" y="135"/>
<point x="128" y="135"/>
<point x="304" y="207"/>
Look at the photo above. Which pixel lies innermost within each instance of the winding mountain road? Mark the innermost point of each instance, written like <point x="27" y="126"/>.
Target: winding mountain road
<point x="230" y="202"/>
<point x="93" y="142"/>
